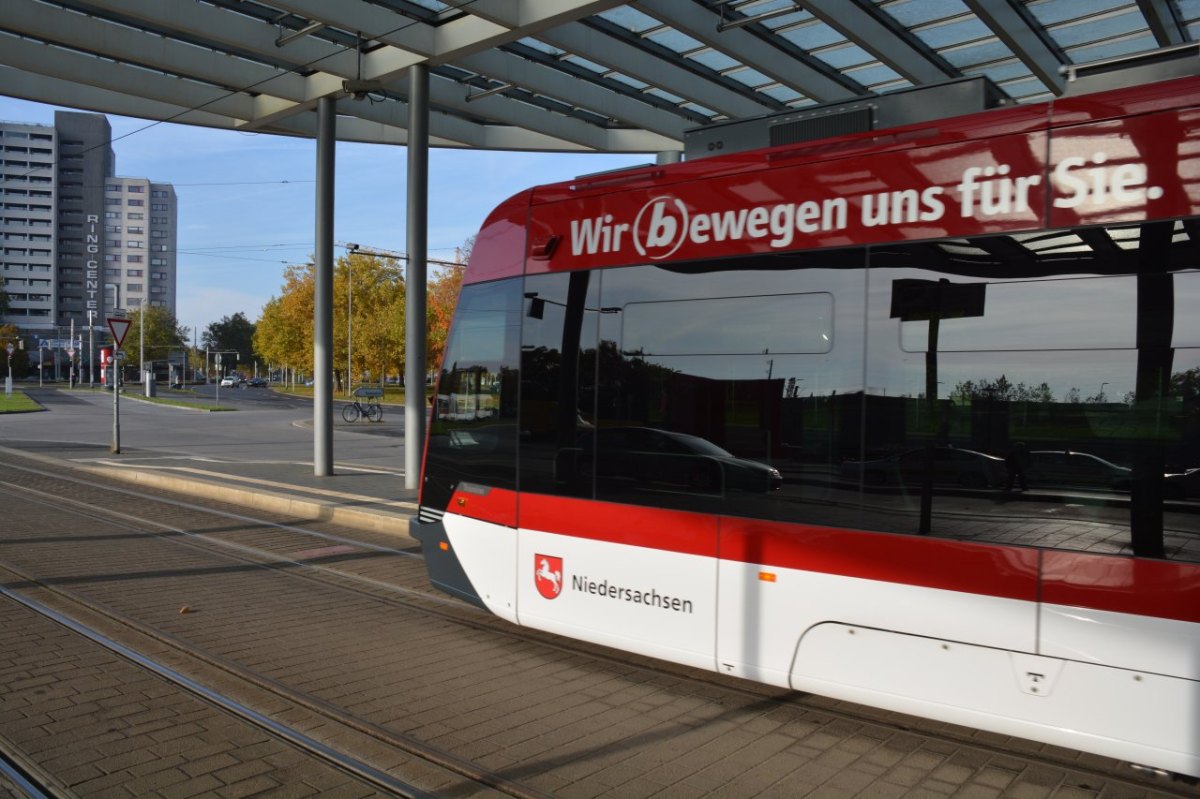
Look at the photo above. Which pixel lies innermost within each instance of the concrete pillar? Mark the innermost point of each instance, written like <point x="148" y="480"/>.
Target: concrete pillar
<point x="415" y="409"/>
<point x="323" y="293"/>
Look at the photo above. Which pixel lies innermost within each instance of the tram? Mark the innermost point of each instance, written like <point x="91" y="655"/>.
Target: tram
<point x="903" y="416"/>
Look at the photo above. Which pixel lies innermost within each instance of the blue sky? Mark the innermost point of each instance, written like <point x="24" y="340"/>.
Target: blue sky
<point x="246" y="201"/>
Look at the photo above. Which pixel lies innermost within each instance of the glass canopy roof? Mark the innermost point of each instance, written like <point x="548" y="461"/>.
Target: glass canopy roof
<point x="569" y="75"/>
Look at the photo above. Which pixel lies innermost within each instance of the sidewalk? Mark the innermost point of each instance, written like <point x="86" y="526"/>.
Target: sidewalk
<point x="360" y="497"/>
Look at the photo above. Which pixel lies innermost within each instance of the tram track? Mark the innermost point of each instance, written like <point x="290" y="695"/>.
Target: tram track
<point x="412" y="599"/>
<point x="481" y="777"/>
<point x="350" y="765"/>
<point x="26" y="781"/>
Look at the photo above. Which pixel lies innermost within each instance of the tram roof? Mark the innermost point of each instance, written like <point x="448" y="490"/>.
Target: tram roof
<point x="566" y="75"/>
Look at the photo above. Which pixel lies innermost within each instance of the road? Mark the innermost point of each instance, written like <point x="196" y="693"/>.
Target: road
<point x="262" y="425"/>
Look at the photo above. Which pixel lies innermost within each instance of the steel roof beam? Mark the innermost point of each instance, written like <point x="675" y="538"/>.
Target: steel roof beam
<point x="492" y="63"/>
<point x="531" y="17"/>
<point x="55" y="91"/>
<point x="1164" y="22"/>
<point x="168" y="55"/>
<point x="743" y="46"/>
<point x="1013" y="26"/>
<point x="638" y="63"/>
<point x="253" y="36"/>
<point x="570" y="89"/>
<point x="894" y="46"/>
<point x="41" y="88"/>
<point x="67" y="65"/>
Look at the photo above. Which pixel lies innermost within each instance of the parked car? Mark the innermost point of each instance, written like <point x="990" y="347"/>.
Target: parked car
<point x="1069" y="469"/>
<point x="662" y="459"/>
<point x="1182" y="485"/>
<point x="951" y="466"/>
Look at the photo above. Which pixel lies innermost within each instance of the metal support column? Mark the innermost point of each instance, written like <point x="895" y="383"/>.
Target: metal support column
<point x="414" y="328"/>
<point x="669" y="157"/>
<point x="323" y="293"/>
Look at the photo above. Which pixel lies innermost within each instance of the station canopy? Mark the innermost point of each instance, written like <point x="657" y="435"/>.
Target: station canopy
<point x="551" y="75"/>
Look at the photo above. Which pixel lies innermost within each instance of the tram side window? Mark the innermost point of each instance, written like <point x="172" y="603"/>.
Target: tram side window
<point x="1044" y="391"/>
<point x="558" y="371"/>
<point x="473" y="435"/>
<point x="704" y="376"/>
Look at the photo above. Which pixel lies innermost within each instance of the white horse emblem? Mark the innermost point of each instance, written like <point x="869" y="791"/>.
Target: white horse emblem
<point x="548" y="576"/>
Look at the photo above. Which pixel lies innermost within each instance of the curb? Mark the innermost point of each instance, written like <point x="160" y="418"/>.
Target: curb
<point x="315" y="510"/>
<point x="300" y="507"/>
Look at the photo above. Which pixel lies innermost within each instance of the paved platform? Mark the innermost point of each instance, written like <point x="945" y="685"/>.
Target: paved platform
<point x="573" y="725"/>
<point x="358" y="496"/>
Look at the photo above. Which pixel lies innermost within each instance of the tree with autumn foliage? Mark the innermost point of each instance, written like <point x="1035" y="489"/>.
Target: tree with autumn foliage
<point x="163" y="333"/>
<point x="11" y="334"/>
<point x="442" y="299"/>
<point x="284" y="333"/>
<point x="371" y="289"/>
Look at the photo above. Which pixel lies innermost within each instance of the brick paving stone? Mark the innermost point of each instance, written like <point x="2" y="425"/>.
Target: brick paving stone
<point x="594" y="724"/>
<point x="98" y="746"/>
<point x="906" y="775"/>
<point x="1075" y="792"/>
<point x="248" y="787"/>
<point x="953" y="773"/>
<point x="934" y="787"/>
<point x="108" y="782"/>
<point x="581" y="790"/>
<point x="991" y="776"/>
<point x="204" y="784"/>
<point x="883" y="790"/>
<point x="1027" y="790"/>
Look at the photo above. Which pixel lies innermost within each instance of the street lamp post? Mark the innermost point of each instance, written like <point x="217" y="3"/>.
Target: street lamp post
<point x="91" y="350"/>
<point x="352" y="248"/>
<point x="142" y="342"/>
<point x="236" y="356"/>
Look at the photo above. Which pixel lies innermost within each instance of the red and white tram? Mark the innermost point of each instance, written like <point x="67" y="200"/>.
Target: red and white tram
<point x="904" y="417"/>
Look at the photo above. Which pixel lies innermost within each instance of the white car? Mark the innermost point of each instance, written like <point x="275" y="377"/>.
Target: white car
<point x="228" y="381"/>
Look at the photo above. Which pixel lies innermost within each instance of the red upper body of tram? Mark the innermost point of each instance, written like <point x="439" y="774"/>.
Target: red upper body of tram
<point x="825" y="416"/>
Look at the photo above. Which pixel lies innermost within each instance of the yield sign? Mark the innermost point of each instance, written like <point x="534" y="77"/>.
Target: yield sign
<point x="119" y="328"/>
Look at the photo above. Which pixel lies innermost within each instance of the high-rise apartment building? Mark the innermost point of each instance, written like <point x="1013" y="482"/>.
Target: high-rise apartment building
<point x="139" y="243"/>
<point x="79" y="242"/>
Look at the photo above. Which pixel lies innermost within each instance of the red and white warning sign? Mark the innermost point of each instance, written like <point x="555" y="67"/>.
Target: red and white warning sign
<point x="119" y="328"/>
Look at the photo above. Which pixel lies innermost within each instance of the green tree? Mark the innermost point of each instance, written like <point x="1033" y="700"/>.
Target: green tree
<point x="284" y="332"/>
<point x="443" y="299"/>
<point x="162" y="334"/>
<point x="20" y="358"/>
<point x="233" y="333"/>
<point x="372" y="289"/>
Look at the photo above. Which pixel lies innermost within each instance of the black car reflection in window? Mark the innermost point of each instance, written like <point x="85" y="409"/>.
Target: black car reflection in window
<point x="663" y="460"/>
<point x="951" y="466"/>
<point x="1069" y="469"/>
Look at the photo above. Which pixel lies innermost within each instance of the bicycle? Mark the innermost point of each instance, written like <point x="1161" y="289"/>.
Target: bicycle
<point x="355" y="410"/>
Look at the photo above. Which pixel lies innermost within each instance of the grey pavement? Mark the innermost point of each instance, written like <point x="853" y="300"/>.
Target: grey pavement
<point x="602" y="728"/>
<point x="259" y="455"/>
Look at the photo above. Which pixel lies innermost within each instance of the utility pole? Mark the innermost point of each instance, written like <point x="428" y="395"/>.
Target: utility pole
<point x="353" y="248"/>
<point x="91" y="350"/>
